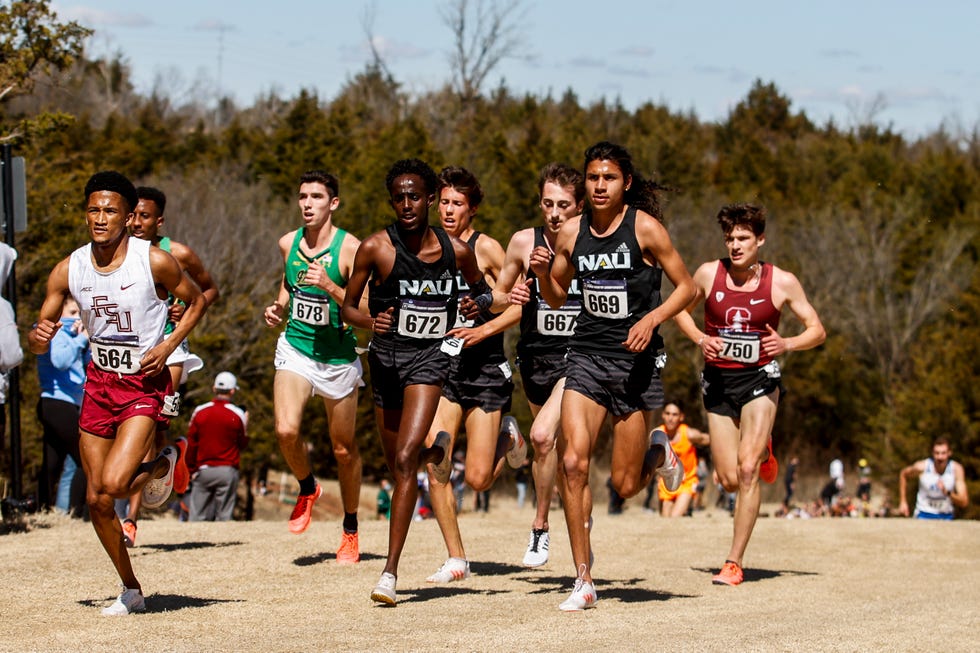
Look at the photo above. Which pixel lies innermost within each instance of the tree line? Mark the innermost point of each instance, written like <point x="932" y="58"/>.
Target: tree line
<point x="882" y="230"/>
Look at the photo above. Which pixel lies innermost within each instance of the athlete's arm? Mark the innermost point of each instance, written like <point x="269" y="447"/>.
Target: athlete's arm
<point x="193" y="266"/>
<point x="652" y="237"/>
<point x="915" y="469"/>
<point x="554" y="274"/>
<point x="365" y="263"/>
<point x="699" y="438"/>
<point x="273" y="313"/>
<point x="348" y="249"/>
<point x="167" y="273"/>
<point x="685" y="322"/>
<point x="512" y="273"/>
<point x="958" y="495"/>
<point x="787" y="288"/>
<point x="49" y="321"/>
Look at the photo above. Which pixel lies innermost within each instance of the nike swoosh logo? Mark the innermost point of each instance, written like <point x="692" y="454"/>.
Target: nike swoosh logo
<point x="753" y="302"/>
<point x="127" y="286"/>
<point x="758" y="391"/>
<point x="139" y="406"/>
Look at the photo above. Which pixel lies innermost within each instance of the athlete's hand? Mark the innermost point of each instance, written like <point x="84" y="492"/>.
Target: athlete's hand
<point x="521" y="293"/>
<point x="44" y="332"/>
<point x="468" y="307"/>
<point x="317" y="276"/>
<point x="176" y="311"/>
<point x="639" y="335"/>
<point x="155" y="360"/>
<point x="469" y="335"/>
<point x="903" y="508"/>
<point x="273" y="314"/>
<point x="540" y="261"/>
<point x="773" y="344"/>
<point x="384" y="321"/>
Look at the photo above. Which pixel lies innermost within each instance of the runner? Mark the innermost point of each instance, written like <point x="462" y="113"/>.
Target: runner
<point x="618" y="249"/>
<point x="683" y="439"/>
<point x="479" y="387"/>
<point x="114" y="279"/>
<point x="315" y="353"/>
<point x="741" y="381"/>
<point x="146" y="225"/>
<point x="544" y="340"/>
<point x="411" y="270"/>
<point x="942" y="484"/>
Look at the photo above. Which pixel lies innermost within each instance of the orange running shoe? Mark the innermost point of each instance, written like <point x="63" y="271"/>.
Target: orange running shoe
<point x="182" y="475"/>
<point x="303" y="512"/>
<point x="129" y="533"/>
<point x="730" y="574"/>
<point x="769" y="469"/>
<point x="349" y="552"/>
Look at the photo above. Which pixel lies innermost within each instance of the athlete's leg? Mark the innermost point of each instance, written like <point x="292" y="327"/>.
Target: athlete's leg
<point x="755" y="429"/>
<point x="486" y="447"/>
<point x="448" y="418"/>
<point x="342" y="422"/>
<point x="631" y="440"/>
<point x="290" y="394"/>
<point x="402" y="435"/>
<point x="680" y="505"/>
<point x="581" y="419"/>
<point x="114" y="469"/>
<point x="544" y="432"/>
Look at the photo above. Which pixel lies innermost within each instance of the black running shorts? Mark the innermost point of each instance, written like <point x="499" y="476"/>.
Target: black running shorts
<point x="540" y="374"/>
<point x="485" y="383"/>
<point x="622" y="386"/>
<point x="725" y="391"/>
<point x="393" y="368"/>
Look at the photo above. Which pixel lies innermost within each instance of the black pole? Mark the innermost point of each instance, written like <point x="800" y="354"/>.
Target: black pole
<point x="13" y="394"/>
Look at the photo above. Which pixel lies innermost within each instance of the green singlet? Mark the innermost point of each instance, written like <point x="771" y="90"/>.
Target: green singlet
<point x="313" y="324"/>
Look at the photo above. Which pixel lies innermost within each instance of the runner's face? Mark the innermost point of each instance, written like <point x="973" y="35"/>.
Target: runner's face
<point x="411" y="202"/>
<point x="147" y="220"/>
<point x="315" y="204"/>
<point x="605" y="185"/>
<point x="107" y="217"/>
<point x="455" y="212"/>
<point x="940" y="453"/>
<point x="558" y="205"/>
<point x="672" y="417"/>
<point x="743" y="247"/>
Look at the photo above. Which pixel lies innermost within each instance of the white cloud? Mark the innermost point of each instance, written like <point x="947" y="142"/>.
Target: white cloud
<point x="96" y="17"/>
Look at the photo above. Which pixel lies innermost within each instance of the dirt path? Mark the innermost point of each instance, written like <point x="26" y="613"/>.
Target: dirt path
<point x="816" y="585"/>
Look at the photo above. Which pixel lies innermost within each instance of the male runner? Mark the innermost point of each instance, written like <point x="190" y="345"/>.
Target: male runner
<point x="683" y="440"/>
<point x="942" y="484"/>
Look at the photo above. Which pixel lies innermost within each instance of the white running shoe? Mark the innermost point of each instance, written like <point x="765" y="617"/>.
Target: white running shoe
<point x="157" y="490"/>
<point x="384" y="591"/>
<point x="672" y="471"/>
<point x="583" y="597"/>
<point x="444" y="467"/>
<point x="452" y="569"/>
<point x="537" y="548"/>
<point x="128" y="602"/>
<point x="517" y="453"/>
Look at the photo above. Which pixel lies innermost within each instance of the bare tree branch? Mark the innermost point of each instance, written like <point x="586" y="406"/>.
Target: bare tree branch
<point x="483" y="35"/>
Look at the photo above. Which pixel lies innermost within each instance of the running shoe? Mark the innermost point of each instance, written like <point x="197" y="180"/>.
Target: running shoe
<point x="583" y="597"/>
<point x="299" y="521"/>
<point x="182" y="475"/>
<point x="157" y="490"/>
<point x="444" y="467"/>
<point x="129" y="533"/>
<point x="730" y="574"/>
<point x="517" y="453"/>
<point x="128" y="602"/>
<point x="537" y="548"/>
<point x="349" y="552"/>
<point x="672" y="471"/>
<point x="452" y="569"/>
<point x="769" y="469"/>
<point x="384" y="591"/>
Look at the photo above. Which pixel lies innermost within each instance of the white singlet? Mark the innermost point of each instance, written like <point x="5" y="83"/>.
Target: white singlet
<point x="930" y="499"/>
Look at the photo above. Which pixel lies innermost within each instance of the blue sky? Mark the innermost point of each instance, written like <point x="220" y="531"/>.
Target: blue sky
<point x="913" y="65"/>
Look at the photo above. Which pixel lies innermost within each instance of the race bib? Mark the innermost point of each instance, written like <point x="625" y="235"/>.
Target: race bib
<point x="119" y="354"/>
<point x="420" y="319"/>
<point x="461" y="320"/>
<point x="740" y="347"/>
<point x="557" y="321"/>
<point x="605" y="298"/>
<point x="311" y="309"/>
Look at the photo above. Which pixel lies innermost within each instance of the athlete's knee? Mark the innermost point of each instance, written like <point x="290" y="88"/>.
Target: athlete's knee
<point x="406" y="463"/>
<point x="626" y="486"/>
<point x="346" y="455"/>
<point x="748" y="471"/>
<point x="575" y="468"/>
<point x="287" y="433"/>
<point x="728" y="480"/>
<point x="543" y="440"/>
<point x="479" y="479"/>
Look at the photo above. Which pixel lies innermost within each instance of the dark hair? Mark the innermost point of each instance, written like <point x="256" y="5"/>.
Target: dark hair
<point x="114" y="182"/>
<point x="155" y="195"/>
<point x="643" y="194"/>
<point x="941" y="440"/>
<point x="742" y="215"/>
<point x="676" y="402"/>
<point x="565" y="176"/>
<point x="412" y="167"/>
<point x="321" y="177"/>
<point x="462" y="181"/>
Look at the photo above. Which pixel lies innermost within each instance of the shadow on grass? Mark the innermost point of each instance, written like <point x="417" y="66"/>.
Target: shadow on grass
<point x="185" y="546"/>
<point x="626" y="590"/>
<point x="320" y="558"/>
<point x="752" y="575"/>
<point x="443" y="591"/>
<point x="165" y="602"/>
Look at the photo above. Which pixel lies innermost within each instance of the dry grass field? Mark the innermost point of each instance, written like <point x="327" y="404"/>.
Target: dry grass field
<point x="811" y="585"/>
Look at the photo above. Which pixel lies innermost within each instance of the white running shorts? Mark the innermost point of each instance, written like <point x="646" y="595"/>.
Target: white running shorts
<point x="330" y="381"/>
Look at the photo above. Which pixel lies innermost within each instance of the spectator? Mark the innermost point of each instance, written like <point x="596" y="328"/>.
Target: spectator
<point x="215" y="439"/>
<point x="11" y="354"/>
<point x="835" y="485"/>
<point x="384" y="500"/>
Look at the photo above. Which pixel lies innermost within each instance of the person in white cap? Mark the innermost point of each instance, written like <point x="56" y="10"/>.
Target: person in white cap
<point x="215" y="439"/>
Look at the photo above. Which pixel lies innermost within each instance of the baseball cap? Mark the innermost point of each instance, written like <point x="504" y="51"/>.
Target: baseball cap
<point x="225" y="381"/>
